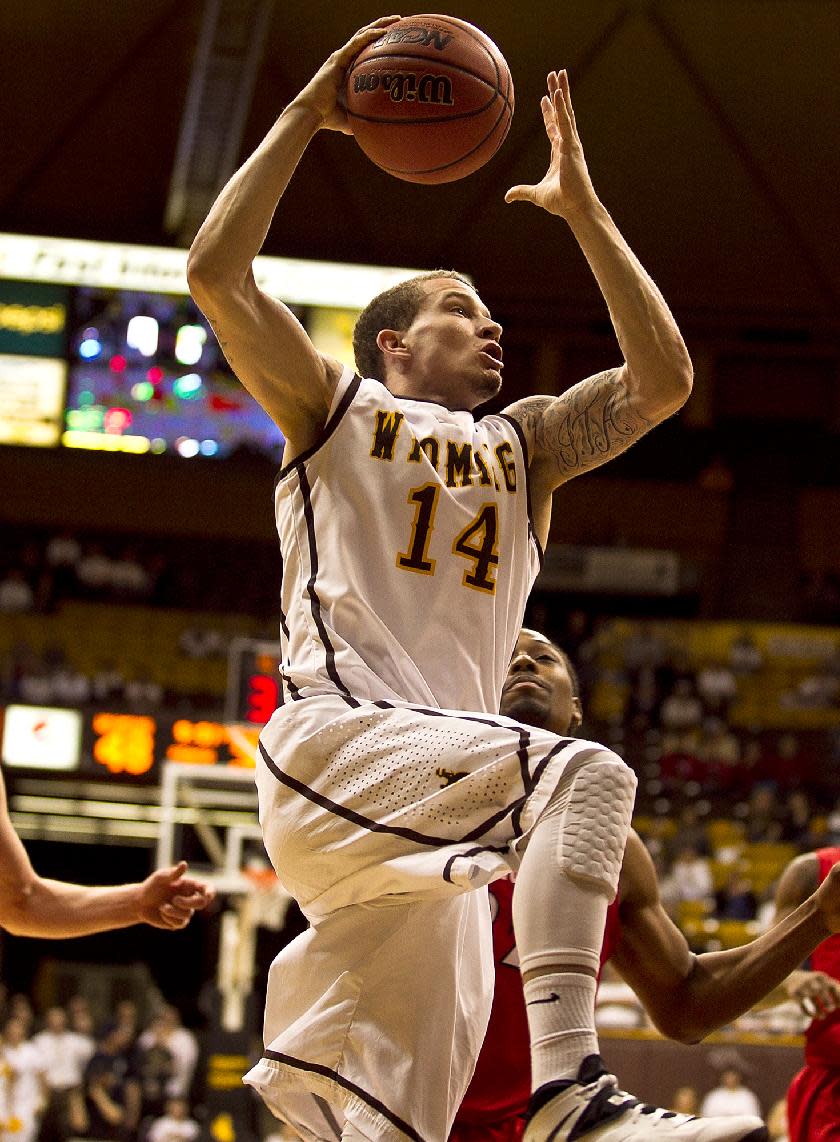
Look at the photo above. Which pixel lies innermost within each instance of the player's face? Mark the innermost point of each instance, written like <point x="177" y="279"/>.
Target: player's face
<point x="454" y="343"/>
<point x="538" y="689"/>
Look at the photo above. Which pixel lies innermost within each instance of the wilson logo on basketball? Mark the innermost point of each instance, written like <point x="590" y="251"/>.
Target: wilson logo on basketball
<point x="415" y="35"/>
<point x="436" y="89"/>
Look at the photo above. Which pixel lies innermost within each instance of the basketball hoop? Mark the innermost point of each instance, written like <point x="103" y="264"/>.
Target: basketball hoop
<point x="262" y="879"/>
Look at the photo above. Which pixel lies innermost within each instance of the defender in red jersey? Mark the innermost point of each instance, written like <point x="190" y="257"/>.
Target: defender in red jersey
<point x="813" y="1100"/>
<point x="686" y="995"/>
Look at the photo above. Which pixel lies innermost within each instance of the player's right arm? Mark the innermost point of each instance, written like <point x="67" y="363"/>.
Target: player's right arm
<point x="263" y="341"/>
<point x="689" y="995"/>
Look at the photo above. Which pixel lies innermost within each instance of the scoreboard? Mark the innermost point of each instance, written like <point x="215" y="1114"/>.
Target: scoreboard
<point x="253" y="681"/>
<point x="118" y="746"/>
<point x="131" y="748"/>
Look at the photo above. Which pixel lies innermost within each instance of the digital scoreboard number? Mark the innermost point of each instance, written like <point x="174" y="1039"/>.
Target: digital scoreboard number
<point x="253" y="681"/>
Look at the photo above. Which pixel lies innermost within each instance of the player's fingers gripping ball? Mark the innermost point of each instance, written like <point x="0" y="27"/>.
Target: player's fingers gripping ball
<point x="431" y="100"/>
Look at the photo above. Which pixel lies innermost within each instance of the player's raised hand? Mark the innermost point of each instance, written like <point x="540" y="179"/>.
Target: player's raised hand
<point x="169" y="899"/>
<point x="324" y="92"/>
<point x="566" y="185"/>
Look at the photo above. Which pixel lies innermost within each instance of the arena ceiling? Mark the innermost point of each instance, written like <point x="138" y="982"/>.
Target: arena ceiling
<point x="711" y="127"/>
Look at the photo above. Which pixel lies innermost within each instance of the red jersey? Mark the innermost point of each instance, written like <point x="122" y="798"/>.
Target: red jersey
<point x="501" y="1085"/>
<point x="813" y="1100"/>
<point x="822" y="1039"/>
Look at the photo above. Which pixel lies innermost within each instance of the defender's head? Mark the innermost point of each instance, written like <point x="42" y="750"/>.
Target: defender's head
<point x="542" y="687"/>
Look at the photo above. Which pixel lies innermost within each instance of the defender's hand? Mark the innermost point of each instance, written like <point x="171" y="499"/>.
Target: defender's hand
<point x="168" y="899"/>
<point x="324" y="93"/>
<point x="816" y="993"/>
<point x="566" y="185"/>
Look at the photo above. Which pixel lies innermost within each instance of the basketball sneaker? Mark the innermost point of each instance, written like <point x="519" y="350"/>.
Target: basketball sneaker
<point x="593" y="1109"/>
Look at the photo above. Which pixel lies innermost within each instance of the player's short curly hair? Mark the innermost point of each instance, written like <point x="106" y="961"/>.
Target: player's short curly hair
<point x="394" y="308"/>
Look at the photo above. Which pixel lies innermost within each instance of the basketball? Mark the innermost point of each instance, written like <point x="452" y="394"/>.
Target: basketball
<point x="431" y="100"/>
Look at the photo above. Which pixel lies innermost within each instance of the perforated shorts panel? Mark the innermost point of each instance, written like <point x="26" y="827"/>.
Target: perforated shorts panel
<point x="384" y="799"/>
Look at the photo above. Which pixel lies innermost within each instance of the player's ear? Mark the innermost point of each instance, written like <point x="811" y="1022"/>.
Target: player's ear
<point x="391" y="344"/>
<point x="577" y="714"/>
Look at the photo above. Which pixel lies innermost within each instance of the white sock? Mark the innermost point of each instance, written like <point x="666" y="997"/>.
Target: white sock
<point x="561" y="1019"/>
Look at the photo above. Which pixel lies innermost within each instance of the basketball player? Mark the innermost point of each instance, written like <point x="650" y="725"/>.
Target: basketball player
<point x="390" y="790"/>
<point x="813" y="1100"/>
<point x="686" y="995"/>
<point x="30" y="905"/>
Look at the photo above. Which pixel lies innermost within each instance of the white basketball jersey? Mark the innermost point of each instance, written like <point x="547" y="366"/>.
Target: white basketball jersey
<point x="408" y="552"/>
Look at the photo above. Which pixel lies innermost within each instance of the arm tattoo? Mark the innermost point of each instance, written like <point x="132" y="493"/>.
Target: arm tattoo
<point x="223" y="344"/>
<point x="586" y="426"/>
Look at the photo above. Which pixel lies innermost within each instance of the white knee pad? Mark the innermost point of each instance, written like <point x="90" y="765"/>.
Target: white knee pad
<point x="596" y="809"/>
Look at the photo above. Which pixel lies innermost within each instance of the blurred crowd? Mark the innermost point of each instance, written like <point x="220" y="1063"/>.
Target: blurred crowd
<point x="40" y="569"/>
<point x="63" y="1076"/>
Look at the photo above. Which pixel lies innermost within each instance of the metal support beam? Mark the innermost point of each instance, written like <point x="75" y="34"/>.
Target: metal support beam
<point x="227" y="59"/>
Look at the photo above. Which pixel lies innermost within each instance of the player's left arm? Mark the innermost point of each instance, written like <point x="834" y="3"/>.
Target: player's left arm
<point x="689" y="995"/>
<point x="31" y="905"/>
<point x="603" y="415"/>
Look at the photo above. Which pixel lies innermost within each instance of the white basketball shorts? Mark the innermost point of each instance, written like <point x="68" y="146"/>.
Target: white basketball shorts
<point x="378" y="818"/>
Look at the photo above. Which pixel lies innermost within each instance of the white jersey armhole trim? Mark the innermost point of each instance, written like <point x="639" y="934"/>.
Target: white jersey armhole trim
<point x="345" y="390"/>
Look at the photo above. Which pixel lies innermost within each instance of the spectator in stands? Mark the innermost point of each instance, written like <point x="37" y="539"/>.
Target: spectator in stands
<point x="94" y="571"/>
<point x="832" y="824"/>
<point x="690" y="879"/>
<point x="679" y="764"/>
<point x="763" y="817"/>
<point x="142" y="693"/>
<point x="155" y="1070"/>
<point x="202" y="642"/>
<point x="644" y="699"/>
<point x="797" y="821"/>
<point x="20" y="1007"/>
<point x="107" y="684"/>
<point x="685" y="1100"/>
<point x="24" y="1089"/>
<point x="175" y="1125"/>
<point x="17" y="597"/>
<point x="80" y="1018"/>
<point x="62" y="554"/>
<point x="731" y="1096"/>
<point x="162" y="588"/>
<point x="168" y="1031"/>
<point x="783" y="762"/>
<point x="127" y="1018"/>
<point x="682" y="710"/>
<point x="130" y="581"/>
<point x="35" y="682"/>
<point x="744" y="656"/>
<point x="646" y="646"/>
<point x="37" y="574"/>
<point x="717" y="688"/>
<point x="112" y="1090"/>
<point x="736" y="900"/>
<point x="64" y="1055"/>
<point x="691" y="830"/>
<point x="70" y="686"/>
<point x="815" y="691"/>
<point x="720" y="751"/>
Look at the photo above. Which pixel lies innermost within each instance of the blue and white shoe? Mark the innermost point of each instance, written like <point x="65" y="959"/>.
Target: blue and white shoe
<point x="593" y="1109"/>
